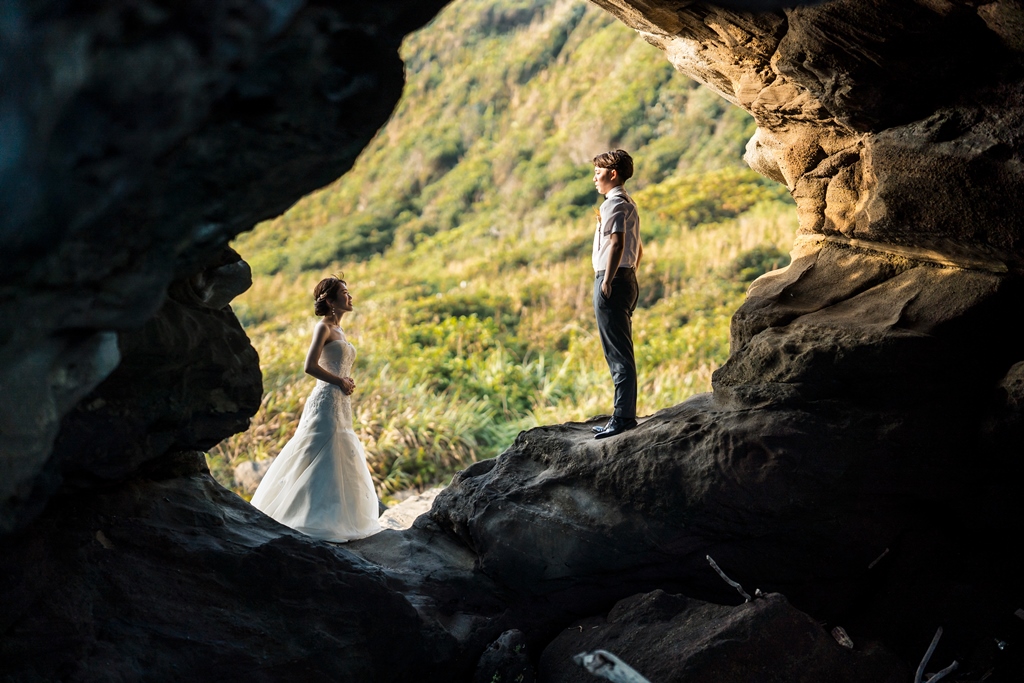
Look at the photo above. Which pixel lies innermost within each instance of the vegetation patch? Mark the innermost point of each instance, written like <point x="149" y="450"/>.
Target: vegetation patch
<point x="465" y="228"/>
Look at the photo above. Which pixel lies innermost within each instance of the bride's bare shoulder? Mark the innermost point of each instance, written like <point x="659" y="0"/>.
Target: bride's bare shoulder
<point x="321" y="332"/>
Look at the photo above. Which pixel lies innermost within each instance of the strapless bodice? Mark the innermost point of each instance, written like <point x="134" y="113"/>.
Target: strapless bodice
<point x="337" y="357"/>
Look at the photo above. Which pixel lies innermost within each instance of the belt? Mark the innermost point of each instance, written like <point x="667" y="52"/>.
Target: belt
<point x="601" y="273"/>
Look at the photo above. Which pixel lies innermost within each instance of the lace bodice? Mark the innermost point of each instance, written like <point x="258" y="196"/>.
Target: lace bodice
<point x="337" y="358"/>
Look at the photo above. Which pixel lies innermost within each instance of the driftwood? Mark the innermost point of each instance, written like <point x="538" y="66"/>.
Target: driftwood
<point x="842" y="637"/>
<point x="919" y="676"/>
<point x="738" y="587"/>
<point x="606" y="665"/>
<point x="878" y="559"/>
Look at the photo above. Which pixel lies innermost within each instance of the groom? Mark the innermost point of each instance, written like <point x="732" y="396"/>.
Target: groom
<point x="617" y="253"/>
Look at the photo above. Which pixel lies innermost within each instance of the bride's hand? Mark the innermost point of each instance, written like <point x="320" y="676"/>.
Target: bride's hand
<point x="347" y="385"/>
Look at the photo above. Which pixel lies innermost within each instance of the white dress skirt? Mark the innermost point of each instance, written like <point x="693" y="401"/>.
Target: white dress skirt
<point x="320" y="483"/>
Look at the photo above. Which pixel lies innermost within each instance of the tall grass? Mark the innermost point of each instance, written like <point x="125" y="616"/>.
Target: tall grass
<point x="469" y="338"/>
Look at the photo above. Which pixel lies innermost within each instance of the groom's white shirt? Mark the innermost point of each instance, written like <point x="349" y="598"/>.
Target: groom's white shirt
<point x="618" y="214"/>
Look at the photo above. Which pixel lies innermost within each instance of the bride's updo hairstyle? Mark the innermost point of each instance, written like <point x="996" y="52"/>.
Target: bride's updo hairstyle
<point x="324" y="292"/>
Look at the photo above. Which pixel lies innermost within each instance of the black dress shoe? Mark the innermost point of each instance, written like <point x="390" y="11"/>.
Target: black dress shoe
<point x="616" y="425"/>
<point x="600" y="428"/>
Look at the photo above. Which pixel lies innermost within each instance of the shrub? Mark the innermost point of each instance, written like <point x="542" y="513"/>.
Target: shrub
<point x="755" y="262"/>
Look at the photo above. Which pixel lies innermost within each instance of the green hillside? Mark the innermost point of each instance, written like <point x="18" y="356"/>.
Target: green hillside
<point x="464" y="232"/>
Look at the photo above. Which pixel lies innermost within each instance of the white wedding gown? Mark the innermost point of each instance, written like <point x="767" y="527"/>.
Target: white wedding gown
<point x="320" y="484"/>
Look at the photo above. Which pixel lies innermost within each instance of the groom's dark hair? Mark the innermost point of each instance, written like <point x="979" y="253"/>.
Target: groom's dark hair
<point x="325" y="291"/>
<point x="617" y="160"/>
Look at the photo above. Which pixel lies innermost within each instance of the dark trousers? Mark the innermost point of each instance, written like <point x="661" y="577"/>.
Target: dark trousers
<point x="615" y="324"/>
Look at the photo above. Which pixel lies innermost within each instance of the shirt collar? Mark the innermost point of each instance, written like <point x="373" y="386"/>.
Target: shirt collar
<point x="617" y="190"/>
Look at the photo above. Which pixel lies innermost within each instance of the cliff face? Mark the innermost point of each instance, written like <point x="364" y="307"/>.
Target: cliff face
<point x="859" y="453"/>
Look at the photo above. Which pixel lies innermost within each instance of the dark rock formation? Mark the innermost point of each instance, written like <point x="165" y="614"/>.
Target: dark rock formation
<point x="860" y="453"/>
<point x="187" y="378"/>
<point x="671" y="638"/>
<point x="506" y="660"/>
<point x="169" y="577"/>
<point x="138" y="138"/>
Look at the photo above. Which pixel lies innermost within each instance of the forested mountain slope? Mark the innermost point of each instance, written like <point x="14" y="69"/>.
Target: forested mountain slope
<point x="464" y="231"/>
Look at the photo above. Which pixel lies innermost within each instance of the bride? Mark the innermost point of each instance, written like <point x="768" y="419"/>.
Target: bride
<point x="320" y="484"/>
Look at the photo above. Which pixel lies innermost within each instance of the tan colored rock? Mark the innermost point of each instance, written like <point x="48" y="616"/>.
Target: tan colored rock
<point x="248" y="474"/>
<point x="891" y="123"/>
<point x="402" y="515"/>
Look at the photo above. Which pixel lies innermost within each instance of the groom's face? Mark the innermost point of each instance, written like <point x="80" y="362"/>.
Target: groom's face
<point x="605" y="179"/>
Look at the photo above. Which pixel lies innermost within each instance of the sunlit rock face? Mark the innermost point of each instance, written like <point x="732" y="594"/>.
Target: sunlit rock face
<point x="897" y="122"/>
<point x="136" y="139"/>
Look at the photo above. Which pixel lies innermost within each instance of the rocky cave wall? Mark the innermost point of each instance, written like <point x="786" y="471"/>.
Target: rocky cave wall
<point x="138" y="139"/>
<point x="858" y="455"/>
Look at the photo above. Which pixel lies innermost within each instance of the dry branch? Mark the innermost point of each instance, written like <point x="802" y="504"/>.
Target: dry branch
<point x="919" y="676"/>
<point x="738" y="587"/>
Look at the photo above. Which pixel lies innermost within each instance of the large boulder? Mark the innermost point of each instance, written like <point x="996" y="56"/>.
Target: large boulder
<point x="169" y="577"/>
<point x="675" y="639"/>
<point x="855" y="419"/>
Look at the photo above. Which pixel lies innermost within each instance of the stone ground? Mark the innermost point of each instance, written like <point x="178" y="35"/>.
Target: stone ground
<point x="401" y="515"/>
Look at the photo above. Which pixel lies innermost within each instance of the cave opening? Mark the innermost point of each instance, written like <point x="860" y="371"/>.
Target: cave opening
<point x="464" y="231"/>
<point x="857" y="460"/>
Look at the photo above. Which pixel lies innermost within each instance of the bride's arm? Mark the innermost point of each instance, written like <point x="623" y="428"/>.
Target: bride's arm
<point x="313" y="367"/>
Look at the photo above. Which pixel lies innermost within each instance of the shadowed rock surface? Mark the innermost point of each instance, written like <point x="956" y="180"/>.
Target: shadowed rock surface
<point x="506" y="659"/>
<point x="187" y="377"/>
<point x="860" y="453"/>
<point x="170" y="577"/>
<point x="672" y="639"/>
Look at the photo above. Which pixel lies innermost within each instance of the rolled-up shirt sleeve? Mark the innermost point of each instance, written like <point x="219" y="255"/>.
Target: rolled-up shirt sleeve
<point x="618" y="215"/>
<point x="616" y="218"/>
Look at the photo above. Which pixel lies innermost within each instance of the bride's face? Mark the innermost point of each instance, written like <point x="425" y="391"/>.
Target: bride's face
<point x="343" y="300"/>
